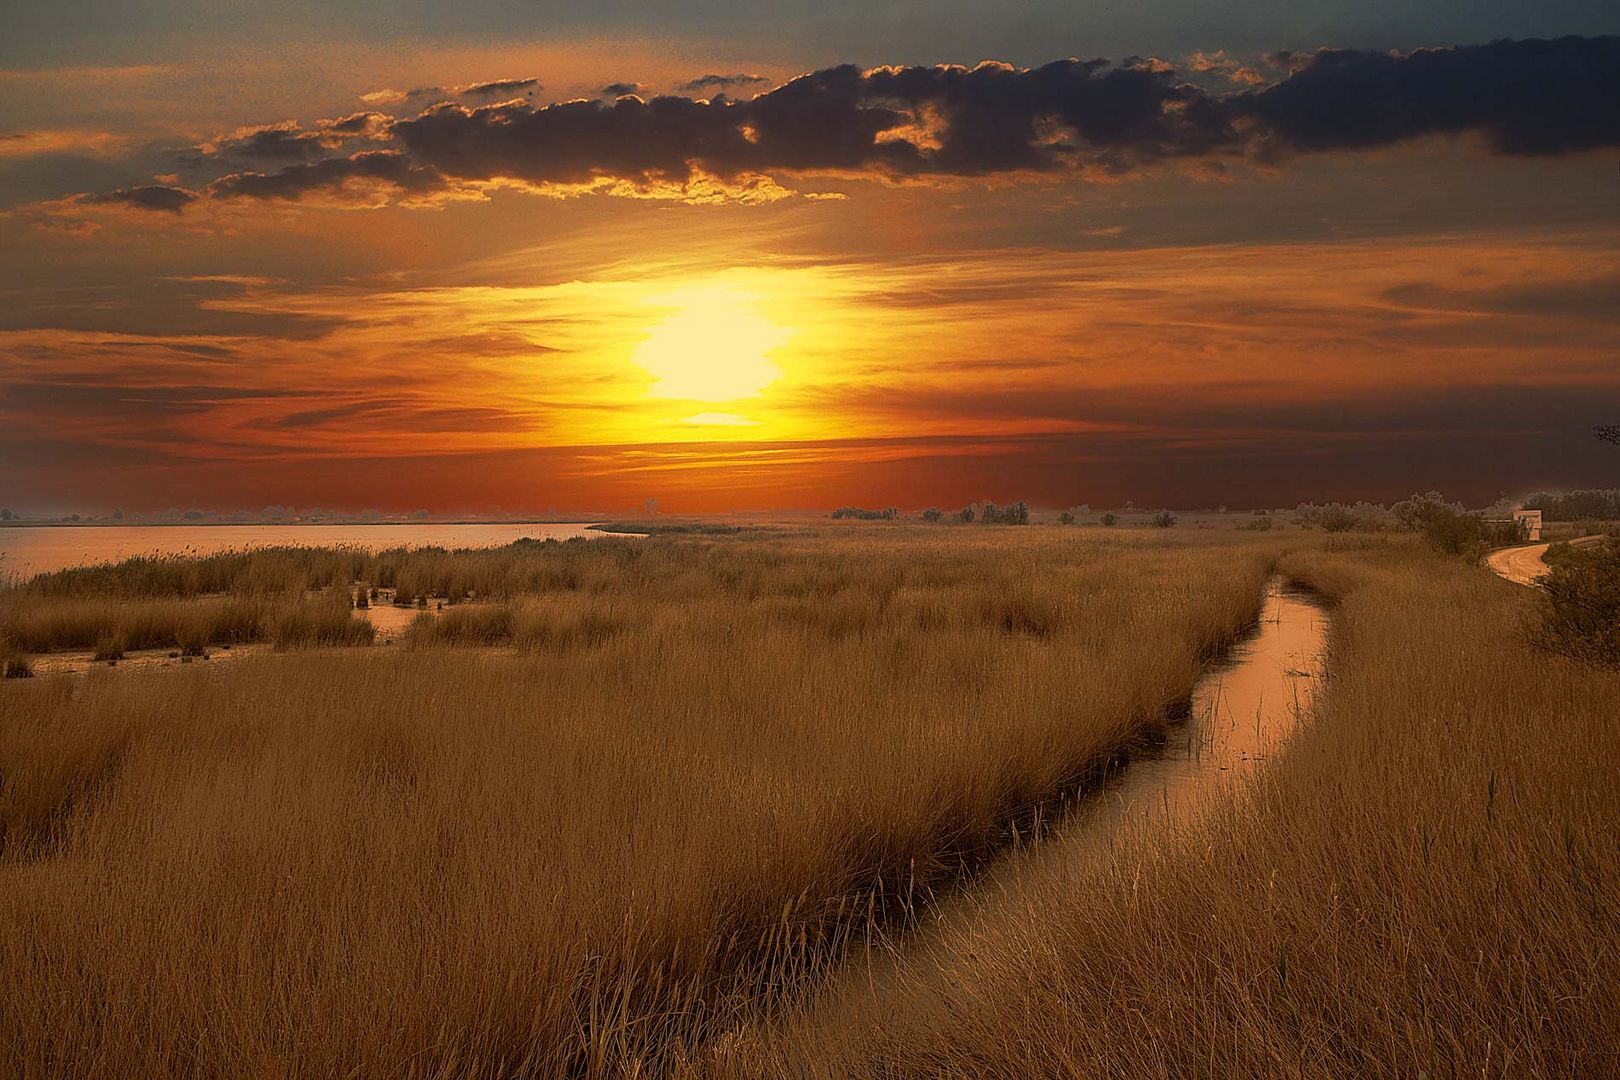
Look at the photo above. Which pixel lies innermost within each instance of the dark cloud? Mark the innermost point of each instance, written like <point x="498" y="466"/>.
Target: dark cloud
<point x="722" y="82"/>
<point x="1086" y="116"/>
<point x="285" y="143"/>
<point x="492" y="90"/>
<point x="385" y="167"/>
<point x="1526" y="97"/>
<point x="279" y="143"/>
<point x="501" y="88"/>
<point x="157" y="197"/>
<point x="360" y="123"/>
<point x="620" y="89"/>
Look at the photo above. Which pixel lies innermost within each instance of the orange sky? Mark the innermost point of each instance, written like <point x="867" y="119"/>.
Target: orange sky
<point x="1340" y="326"/>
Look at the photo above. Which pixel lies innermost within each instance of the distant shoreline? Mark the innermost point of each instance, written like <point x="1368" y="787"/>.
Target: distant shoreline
<point x="586" y="522"/>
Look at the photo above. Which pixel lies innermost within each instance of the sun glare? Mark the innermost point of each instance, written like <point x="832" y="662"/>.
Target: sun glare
<point x="715" y="347"/>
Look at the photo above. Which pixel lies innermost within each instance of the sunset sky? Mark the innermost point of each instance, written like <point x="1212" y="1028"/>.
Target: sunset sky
<point x="794" y="254"/>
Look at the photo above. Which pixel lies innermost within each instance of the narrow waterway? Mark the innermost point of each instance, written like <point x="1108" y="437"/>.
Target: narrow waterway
<point x="1241" y="713"/>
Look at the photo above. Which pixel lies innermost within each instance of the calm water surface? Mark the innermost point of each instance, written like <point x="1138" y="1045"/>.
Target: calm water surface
<point x="32" y="550"/>
<point x="1243" y="710"/>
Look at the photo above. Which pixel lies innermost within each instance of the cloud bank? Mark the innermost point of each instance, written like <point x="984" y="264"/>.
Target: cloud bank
<point x="1090" y="118"/>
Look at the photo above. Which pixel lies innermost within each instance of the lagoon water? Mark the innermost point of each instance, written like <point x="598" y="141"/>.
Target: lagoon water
<point x="29" y="550"/>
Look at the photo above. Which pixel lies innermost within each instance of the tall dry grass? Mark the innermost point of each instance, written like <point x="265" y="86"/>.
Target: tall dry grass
<point x="572" y="857"/>
<point x="1426" y="884"/>
<point x="33" y="623"/>
<point x="36" y="625"/>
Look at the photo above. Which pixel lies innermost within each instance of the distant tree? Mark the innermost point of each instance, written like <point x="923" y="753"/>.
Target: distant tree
<point x="7" y="515"/>
<point x="966" y="513"/>
<point x="1110" y="519"/>
<point x="1162" y="520"/>
<point x="1597" y="504"/>
<point x="118" y="515"/>
<point x="1065" y="518"/>
<point x="1414" y="514"/>
<point x="420" y="515"/>
<point x="933" y="513"/>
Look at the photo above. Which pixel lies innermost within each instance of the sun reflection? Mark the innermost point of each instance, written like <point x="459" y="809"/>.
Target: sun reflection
<point x="715" y="347"/>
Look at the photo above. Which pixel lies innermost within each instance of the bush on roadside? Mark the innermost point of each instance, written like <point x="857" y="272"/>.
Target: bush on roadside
<point x="1454" y="532"/>
<point x="1581" y="612"/>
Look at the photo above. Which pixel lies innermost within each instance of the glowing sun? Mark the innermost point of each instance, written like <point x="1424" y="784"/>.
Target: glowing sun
<point x="715" y="347"/>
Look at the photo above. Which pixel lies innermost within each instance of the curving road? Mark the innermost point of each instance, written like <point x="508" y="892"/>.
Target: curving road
<point x="1520" y="565"/>
<point x="1523" y="565"/>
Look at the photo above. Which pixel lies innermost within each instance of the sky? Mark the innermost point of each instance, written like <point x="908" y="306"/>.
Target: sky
<point x="784" y="254"/>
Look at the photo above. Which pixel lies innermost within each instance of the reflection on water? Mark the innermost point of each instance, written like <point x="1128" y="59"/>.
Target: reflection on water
<point x="29" y="550"/>
<point x="1242" y="710"/>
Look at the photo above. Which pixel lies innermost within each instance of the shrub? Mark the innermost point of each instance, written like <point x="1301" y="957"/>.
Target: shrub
<point x="1581" y="614"/>
<point x="1337" y="517"/>
<point x="1016" y="514"/>
<point x="1415" y="514"/>
<point x="967" y="514"/>
<point x="1162" y="520"/>
<point x="1454" y="532"/>
<point x="1066" y="518"/>
<point x="1110" y="519"/>
<point x="18" y="667"/>
<point x="1257" y="524"/>
<point x="933" y="513"/>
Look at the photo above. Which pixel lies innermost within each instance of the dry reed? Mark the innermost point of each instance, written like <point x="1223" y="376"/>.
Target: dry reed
<point x="1423" y="885"/>
<point x="578" y="855"/>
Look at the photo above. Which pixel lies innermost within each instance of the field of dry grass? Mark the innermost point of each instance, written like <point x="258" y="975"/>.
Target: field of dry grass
<point x="113" y="626"/>
<point x="1426" y="884"/>
<point x="697" y="772"/>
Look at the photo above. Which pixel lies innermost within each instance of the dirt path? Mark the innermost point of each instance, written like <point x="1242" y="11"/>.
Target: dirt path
<point x="1523" y="565"/>
<point x="1520" y="565"/>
